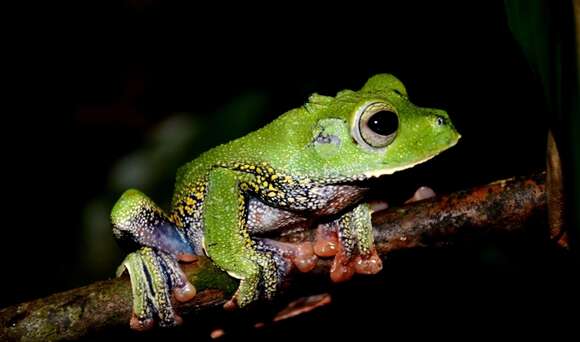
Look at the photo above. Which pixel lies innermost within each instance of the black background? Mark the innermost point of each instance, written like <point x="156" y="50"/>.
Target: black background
<point x="122" y="68"/>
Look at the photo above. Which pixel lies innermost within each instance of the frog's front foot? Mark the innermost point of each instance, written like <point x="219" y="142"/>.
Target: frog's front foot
<point x="301" y="255"/>
<point x="155" y="275"/>
<point x="350" y="241"/>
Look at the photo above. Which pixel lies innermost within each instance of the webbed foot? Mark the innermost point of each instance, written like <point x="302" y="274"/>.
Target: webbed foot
<point x="270" y="263"/>
<point x="153" y="266"/>
<point x="154" y="276"/>
<point x="260" y="277"/>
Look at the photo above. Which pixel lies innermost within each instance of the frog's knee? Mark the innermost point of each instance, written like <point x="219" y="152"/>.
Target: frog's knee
<point x="130" y="213"/>
<point x="137" y="221"/>
<point x="128" y="208"/>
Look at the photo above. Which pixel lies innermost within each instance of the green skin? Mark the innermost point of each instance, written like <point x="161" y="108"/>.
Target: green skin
<point x="307" y="164"/>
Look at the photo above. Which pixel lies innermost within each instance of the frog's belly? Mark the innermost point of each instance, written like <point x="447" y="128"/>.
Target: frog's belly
<point x="262" y="218"/>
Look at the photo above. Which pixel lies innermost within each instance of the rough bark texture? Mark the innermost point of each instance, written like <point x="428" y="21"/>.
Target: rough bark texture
<point x="500" y="206"/>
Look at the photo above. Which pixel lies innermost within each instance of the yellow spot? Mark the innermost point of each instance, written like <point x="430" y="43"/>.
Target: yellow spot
<point x="244" y="186"/>
<point x="190" y="201"/>
<point x="258" y="170"/>
<point x="265" y="184"/>
<point x="264" y="164"/>
<point x="199" y="195"/>
<point x="252" y="167"/>
<point x="291" y="199"/>
<point x="274" y="177"/>
<point x="270" y="170"/>
<point x="271" y="194"/>
<point x="305" y="181"/>
<point x="271" y="188"/>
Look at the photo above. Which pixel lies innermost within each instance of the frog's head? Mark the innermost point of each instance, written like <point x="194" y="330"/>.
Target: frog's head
<point x="377" y="131"/>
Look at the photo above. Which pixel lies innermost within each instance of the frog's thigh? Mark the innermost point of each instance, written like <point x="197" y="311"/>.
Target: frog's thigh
<point x="227" y="241"/>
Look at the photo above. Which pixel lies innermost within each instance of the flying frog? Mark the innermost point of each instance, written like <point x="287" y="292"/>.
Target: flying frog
<point x="306" y="168"/>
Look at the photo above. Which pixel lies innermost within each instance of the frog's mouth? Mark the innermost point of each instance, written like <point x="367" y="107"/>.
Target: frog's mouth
<point x="391" y="170"/>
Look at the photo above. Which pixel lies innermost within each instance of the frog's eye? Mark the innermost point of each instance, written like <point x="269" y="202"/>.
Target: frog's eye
<point x="377" y="125"/>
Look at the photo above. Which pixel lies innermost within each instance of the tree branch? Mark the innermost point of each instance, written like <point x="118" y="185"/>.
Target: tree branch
<point x="502" y="206"/>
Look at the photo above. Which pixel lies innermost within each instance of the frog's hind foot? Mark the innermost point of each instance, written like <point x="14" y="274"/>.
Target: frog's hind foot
<point x="154" y="275"/>
<point x="261" y="277"/>
<point x="272" y="261"/>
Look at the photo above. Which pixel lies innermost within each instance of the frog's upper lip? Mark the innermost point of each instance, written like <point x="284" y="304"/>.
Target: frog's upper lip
<point x="391" y="170"/>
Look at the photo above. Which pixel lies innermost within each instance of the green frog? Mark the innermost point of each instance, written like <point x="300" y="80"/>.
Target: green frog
<point x="307" y="168"/>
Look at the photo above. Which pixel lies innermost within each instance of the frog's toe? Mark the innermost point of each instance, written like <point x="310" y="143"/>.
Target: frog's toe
<point x="326" y="240"/>
<point x="378" y="205"/>
<point x="154" y="275"/>
<point x="342" y="268"/>
<point x="423" y="192"/>
<point x="304" y="257"/>
<point x="285" y="254"/>
<point x="369" y="264"/>
<point x="185" y="293"/>
<point x="232" y="303"/>
<point x="141" y="324"/>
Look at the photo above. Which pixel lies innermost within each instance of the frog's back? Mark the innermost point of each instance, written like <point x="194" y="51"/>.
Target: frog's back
<point x="271" y="144"/>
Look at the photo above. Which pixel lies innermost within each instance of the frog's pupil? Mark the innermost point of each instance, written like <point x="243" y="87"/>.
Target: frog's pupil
<point x="383" y="122"/>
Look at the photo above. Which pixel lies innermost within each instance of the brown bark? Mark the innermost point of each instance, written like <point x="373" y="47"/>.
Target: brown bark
<point x="502" y="206"/>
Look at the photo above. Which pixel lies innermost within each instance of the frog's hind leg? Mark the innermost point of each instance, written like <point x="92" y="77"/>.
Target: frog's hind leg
<point x="229" y="244"/>
<point x="157" y="245"/>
